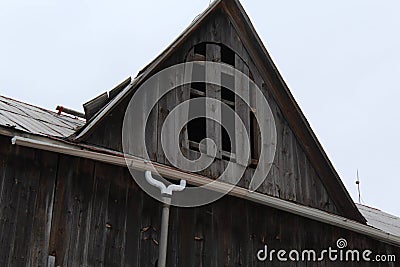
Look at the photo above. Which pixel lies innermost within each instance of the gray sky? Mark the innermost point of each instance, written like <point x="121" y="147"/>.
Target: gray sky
<point x="341" y="60"/>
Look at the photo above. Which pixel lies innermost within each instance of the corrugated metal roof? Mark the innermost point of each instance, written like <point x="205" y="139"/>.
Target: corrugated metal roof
<point x="35" y="120"/>
<point x="381" y="220"/>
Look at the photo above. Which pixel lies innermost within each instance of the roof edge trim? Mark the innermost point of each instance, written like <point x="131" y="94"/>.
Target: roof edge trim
<point x="198" y="180"/>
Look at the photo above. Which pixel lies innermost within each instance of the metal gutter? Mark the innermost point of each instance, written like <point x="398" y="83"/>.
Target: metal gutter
<point x="199" y="180"/>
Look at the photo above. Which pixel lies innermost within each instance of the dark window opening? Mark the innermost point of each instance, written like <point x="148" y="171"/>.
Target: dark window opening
<point x="197" y="130"/>
<point x="227" y="55"/>
<point x="200" y="87"/>
<point x="226" y="142"/>
<point x="200" y="49"/>
<point x="254" y="137"/>
<point x="200" y="52"/>
<point x="228" y="95"/>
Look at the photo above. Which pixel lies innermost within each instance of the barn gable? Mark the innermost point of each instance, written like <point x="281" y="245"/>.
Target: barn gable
<point x="301" y="171"/>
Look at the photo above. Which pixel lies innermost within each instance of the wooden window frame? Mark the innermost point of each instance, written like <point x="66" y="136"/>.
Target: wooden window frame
<point x="209" y="55"/>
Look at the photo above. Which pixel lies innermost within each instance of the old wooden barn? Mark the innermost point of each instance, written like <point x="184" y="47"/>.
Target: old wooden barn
<point x="67" y="197"/>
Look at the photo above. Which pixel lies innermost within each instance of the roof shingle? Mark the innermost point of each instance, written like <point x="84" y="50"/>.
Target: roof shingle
<point x="28" y="118"/>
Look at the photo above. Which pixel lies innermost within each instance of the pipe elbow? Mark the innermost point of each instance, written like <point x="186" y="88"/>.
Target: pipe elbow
<point x="176" y="188"/>
<point x="154" y="182"/>
<point x="164" y="190"/>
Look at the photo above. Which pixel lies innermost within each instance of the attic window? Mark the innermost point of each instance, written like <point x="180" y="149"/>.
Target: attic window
<point x="197" y="129"/>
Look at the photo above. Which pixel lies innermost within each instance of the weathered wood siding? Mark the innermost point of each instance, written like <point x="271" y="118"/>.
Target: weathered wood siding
<point x="292" y="176"/>
<point x="27" y="186"/>
<point x="86" y="213"/>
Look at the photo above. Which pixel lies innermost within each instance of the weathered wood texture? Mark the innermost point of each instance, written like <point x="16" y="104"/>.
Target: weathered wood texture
<point x="293" y="177"/>
<point x="27" y="184"/>
<point x="101" y="218"/>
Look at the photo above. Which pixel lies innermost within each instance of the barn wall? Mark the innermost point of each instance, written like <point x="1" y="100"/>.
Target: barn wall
<point x="86" y="213"/>
<point x="292" y="176"/>
<point x="27" y="186"/>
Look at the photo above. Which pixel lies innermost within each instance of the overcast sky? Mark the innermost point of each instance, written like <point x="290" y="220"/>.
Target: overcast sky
<point x="341" y="60"/>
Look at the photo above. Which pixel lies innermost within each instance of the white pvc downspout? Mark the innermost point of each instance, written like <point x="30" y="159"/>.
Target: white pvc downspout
<point x="166" y="199"/>
<point x="164" y="190"/>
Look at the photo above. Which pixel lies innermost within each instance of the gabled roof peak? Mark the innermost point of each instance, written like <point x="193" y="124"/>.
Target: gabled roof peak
<point x="268" y="71"/>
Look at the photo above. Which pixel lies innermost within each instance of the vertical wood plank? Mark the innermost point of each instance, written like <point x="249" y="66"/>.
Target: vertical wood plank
<point x="288" y="163"/>
<point x="73" y="192"/>
<point x="184" y="95"/>
<point x="42" y="217"/>
<point x="151" y="124"/>
<point x="132" y="222"/>
<point x="166" y="104"/>
<point x="114" y="251"/>
<point x="213" y="110"/>
<point x="185" y="227"/>
<point x="25" y="185"/>
<point x="149" y="92"/>
<point x="243" y="111"/>
<point x="100" y="197"/>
